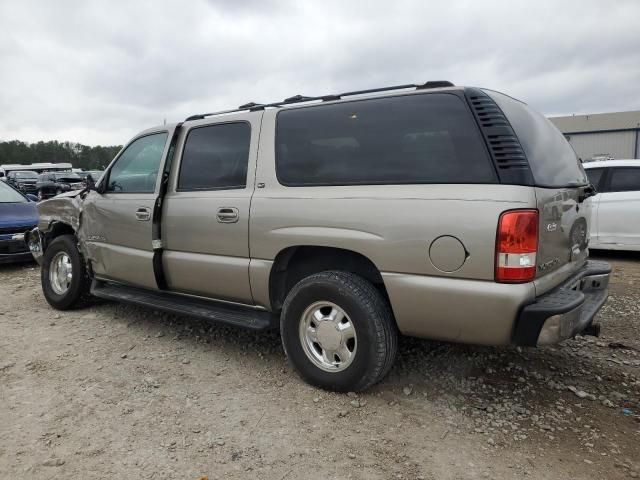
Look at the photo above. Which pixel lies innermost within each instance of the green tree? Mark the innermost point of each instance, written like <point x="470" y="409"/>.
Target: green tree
<point x="78" y="155"/>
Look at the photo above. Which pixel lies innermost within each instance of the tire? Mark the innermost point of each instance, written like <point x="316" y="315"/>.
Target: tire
<point x="375" y="342"/>
<point x="76" y="294"/>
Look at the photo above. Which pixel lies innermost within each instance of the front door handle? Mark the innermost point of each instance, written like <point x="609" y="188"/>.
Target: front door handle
<point x="143" y="214"/>
<point x="227" y="215"/>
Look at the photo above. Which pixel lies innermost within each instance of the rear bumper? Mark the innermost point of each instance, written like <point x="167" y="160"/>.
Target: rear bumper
<point x="565" y="311"/>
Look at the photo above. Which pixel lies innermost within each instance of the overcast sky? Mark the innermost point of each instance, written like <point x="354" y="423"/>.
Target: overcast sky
<point x="98" y="72"/>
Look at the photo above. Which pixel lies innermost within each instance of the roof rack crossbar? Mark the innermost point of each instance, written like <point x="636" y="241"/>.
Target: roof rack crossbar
<point x="252" y="106"/>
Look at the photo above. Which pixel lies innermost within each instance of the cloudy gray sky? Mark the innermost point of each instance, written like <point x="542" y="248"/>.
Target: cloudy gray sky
<point x="97" y="72"/>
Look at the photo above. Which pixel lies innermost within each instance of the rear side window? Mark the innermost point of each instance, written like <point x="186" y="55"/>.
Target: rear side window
<point x="215" y="157"/>
<point x="412" y="139"/>
<point x="624" y="180"/>
<point x="594" y="175"/>
<point x="551" y="158"/>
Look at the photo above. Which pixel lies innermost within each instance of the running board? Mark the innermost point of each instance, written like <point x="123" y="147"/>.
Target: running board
<point x="238" y="316"/>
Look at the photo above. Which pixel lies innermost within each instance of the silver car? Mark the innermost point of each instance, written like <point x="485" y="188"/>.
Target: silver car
<point x="435" y="211"/>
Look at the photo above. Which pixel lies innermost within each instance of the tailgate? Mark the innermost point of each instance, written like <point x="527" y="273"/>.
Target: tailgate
<point x="563" y="234"/>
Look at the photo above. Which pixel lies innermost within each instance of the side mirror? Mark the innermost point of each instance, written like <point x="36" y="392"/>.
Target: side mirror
<point x="32" y="197"/>
<point x="90" y="182"/>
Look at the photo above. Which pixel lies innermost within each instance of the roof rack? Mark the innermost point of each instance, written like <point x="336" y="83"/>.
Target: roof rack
<point x="252" y="106"/>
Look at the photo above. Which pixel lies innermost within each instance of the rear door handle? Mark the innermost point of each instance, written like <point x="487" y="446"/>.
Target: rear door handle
<point x="227" y="215"/>
<point x="143" y="214"/>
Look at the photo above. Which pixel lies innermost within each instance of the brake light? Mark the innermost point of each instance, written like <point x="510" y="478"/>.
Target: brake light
<point x="516" y="246"/>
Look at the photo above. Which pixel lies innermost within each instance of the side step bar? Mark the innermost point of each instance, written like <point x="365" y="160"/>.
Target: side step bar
<point x="229" y="314"/>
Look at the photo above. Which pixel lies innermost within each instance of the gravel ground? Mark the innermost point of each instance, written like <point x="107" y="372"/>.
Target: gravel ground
<point x="116" y="391"/>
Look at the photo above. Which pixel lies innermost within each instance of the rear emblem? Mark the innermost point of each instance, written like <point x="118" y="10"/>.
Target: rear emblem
<point x="551" y="227"/>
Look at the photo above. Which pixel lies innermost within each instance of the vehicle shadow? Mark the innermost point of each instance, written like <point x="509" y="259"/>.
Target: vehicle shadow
<point x="17" y="266"/>
<point x="482" y="375"/>
<point x="614" y="255"/>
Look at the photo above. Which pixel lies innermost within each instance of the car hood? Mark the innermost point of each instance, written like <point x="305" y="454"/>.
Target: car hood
<point x="18" y="214"/>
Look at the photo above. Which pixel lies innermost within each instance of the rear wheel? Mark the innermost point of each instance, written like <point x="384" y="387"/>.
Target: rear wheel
<point x="64" y="277"/>
<point x="338" y="331"/>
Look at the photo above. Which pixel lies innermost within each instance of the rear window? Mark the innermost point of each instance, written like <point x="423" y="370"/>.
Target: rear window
<point x="412" y="139"/>
<point x="551" y="158"/>
<point x="26" y="175"/>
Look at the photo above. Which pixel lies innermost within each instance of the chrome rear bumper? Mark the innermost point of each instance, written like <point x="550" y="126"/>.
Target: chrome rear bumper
<point x="565" y="311"/>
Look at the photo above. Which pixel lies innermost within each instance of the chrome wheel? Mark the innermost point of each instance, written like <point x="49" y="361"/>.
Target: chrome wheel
<point x="60" y="273"/>
<point x="328" y="336"/>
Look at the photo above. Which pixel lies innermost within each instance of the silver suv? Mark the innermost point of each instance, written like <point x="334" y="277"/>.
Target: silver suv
<point x="430" y="210"/>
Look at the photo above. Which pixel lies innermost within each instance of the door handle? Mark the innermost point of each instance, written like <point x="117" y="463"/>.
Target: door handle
<point x="143" y="214"/>
<point x="227" y="215"/>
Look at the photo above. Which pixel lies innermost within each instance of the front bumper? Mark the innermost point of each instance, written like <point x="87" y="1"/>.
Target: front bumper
<point x="567" y="310"/>
<point x="13" y="248"/>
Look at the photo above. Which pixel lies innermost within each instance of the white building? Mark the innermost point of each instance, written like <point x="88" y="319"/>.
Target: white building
<point x="602" y="135"/>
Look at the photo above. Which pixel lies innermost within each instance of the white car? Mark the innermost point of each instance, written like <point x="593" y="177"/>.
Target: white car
<point x="615" y="214"/>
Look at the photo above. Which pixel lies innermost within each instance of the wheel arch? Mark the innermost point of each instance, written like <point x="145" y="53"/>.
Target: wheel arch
<point x="54" y="230"/>
<point x="294" y="263"/>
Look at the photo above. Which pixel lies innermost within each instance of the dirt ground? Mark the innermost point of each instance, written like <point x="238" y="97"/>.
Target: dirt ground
<point x="116" y="391"/>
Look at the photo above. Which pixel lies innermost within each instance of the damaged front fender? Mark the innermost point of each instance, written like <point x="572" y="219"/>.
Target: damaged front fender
<point x="64" y="208"/>
<point x="59" y="215"/>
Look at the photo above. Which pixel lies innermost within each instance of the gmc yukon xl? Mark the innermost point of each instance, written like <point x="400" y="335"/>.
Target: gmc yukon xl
<point x="344" y="220"/>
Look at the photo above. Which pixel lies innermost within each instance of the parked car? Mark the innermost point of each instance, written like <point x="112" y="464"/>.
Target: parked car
<point x="25" y="180"/>
<point x="615" y="213"/>
<point x="55" y="183"/>
<point x="426" y="210"/>
<point x="18" y="215"/>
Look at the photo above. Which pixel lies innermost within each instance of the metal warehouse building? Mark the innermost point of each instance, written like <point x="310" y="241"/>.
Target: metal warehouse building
<point x="615" y="135"/>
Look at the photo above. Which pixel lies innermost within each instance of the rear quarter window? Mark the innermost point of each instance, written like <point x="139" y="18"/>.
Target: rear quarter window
<point x="411" y="139"/>
<point x="551" y="158"/>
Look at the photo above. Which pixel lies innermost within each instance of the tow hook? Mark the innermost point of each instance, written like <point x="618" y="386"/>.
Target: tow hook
<point x="592" y="330"/>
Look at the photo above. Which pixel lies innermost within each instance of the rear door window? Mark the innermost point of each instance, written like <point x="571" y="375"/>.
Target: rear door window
<point x="411" y="139"/>
<point x="625" y="179"/>
<point x="215" y="157"/>
<point x="551" y="158"/>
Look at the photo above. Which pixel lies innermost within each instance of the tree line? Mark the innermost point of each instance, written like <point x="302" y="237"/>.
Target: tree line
<point x="78" y="155"/>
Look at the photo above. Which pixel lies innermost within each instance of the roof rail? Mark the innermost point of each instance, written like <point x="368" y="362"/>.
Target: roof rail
<point x="252" y="106"/>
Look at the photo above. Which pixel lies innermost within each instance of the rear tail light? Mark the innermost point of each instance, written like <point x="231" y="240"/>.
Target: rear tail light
<point x="516" y="246"/>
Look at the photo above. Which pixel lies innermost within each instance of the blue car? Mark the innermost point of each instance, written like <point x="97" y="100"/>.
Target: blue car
<point x="18" y="215"/>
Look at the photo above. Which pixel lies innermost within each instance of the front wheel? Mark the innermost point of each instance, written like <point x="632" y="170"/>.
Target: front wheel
<point x="338" y="331"/>
<point x="64" y="277"/>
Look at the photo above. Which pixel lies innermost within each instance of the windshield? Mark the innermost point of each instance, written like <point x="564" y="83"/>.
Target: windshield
<point x="9" y="195"/>
<point x="26" y="175"/>
<point x="68" y="177"/>
<point x="551" y="158"/>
